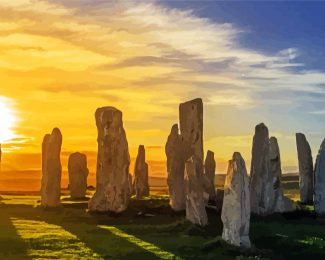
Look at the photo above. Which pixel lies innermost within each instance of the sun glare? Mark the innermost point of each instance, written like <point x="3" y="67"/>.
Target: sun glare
<point x="7" y="120"/>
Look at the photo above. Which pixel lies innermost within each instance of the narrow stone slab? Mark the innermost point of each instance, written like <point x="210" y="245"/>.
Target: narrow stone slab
<point x="319" y="202"/>
<point x="141" y="181"/>
<point x="210" y="173"/>
<point x="305" y="160"/>
<point x="78" y="173"/>
<point x="236" y="204"/>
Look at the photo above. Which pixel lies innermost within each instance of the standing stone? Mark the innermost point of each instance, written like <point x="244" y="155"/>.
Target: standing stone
<point x="175" y="170"/>
<point x="320" y="181"/>
<point x="131" y="185"/>
<point x="191" y="127"/>
<point x="305" y="169"/>
<point x="141" y="182"/>
<point x="195" y="206"/>
<point x="281" y="203"/>
<point x="262" y="193"/>
<point x="78" y="173"/>
<point x="236" y="204"/>
<point x="51" y="169"/>
<point x="113" y="160"/>
<point x="209" y="172"/>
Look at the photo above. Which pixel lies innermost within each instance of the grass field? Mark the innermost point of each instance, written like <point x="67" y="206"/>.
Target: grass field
<point x="149" y="229"/>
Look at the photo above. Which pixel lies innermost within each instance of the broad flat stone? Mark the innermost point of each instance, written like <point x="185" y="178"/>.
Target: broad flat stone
<point x="113" y="160"/>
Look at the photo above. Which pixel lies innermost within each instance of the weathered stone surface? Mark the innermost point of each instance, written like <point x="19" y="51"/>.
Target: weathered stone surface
<point x="305" y="160"/>
<point x="78" y="173"/>
<point x="141" y="182"/>
<point x="209" y="172"/>
<point x="281" y="203"/>
<point x="320" y="181"/>
<point x="262" y="193"/>
<point x="51" y="169"/>
<point x="175" y="170"/>
<point x="236" y="204"/>
<point x="191" y="127"/>
<point x="113" y="160"/>
<point x="195" y="206"/>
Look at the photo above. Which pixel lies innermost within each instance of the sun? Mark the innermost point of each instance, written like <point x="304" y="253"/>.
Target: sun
<point x="7" y="120"/>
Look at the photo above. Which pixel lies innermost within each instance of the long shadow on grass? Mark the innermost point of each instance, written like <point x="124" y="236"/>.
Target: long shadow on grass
<point x="11" y="244"/>
<point x="297" y="235"/>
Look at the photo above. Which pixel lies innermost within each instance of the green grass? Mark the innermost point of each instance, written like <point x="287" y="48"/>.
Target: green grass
<point x="149" y="229"/>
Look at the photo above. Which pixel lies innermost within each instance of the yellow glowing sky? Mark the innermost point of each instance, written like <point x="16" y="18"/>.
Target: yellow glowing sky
<point x="60" y="60"/>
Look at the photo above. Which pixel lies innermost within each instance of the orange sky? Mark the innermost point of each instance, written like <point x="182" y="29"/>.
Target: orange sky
<point x="60" y="61"/>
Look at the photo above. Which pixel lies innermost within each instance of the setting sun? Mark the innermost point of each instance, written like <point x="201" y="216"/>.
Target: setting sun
<point x="7" y="120"/>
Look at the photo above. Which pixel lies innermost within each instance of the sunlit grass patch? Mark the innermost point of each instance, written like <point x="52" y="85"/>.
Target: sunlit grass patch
<point x="51" y="241"/>
<point x="140" y="243"/>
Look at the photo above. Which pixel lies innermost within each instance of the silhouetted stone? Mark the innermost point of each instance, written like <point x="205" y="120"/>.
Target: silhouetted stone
<point x="281" y="203"/>
<point x="320" y="181"/>
<point x="175" y="170"/>
<point x="305" y="160"/>
<point x="131" y="185"/>
<point x="195" y="206"/>
<point x="236" y="204"/>
<point x="209" y="172"/>
<point x="262" y="193"/>
<point x="113" y="160"/>
<point x="51" y="169"/>
<point x="78" y="173"/>
<point x="141" y="183"/>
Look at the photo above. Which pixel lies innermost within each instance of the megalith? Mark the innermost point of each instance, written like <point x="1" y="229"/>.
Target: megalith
<point x="236" y="204"/>
<point x="319" y="200"/>
<point x="209" y="173"/>
<point x="141" y="182"/>
<point x="78" y="173"/>
<point x="113" y="160"/>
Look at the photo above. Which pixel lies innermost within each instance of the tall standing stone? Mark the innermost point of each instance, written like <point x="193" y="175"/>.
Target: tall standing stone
<point x="210" y="172"/>
<point x="305" y="160"/>
<point x="141" y="181"/>
<point x="175" y="170"/>
<point x="262" y="193"/>
<point x="78" y="173"/>
<point x="195" y="205"/>
<point x="191" y="127"/>
<point x="236" y="204"/>
<point x="319" y="202"/>
<point x="51" y="169"/>
<point x="281" y="203"/>
<point x="113" y="160"/>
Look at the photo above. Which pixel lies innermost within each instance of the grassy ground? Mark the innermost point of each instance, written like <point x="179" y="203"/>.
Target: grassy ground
<point x="147" y="230"/>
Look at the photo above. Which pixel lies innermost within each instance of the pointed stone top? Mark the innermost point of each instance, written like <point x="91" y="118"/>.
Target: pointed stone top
<point x="210" y="153"/>
<point x="56" y="131"/>
<point x="174" y="129"/>
<point x="261" y="126"/>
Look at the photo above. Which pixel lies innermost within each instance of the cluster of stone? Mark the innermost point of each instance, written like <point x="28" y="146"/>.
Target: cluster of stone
<point x="266" y="193"/>
<point x="236" y="209"/>
<point x="78" y="173"/>
<point x="113" y="160"/>
<point x="141" y="183"/>
<point x="51" y="169"/>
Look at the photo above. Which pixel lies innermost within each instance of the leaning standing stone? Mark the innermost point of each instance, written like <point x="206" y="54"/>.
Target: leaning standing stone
<point x="51" y="169"/>
<point x="141" y="174"/>
<point x="195" y="206"/>
<point x="175" y="170"/>
<point x="305" y="160"/>
<point x="320" y="181"/>
<point x="236" y="204"/>
<point x="78" y="173"/>
<point x="113" y="160"/>
<point x="262" y="193"/>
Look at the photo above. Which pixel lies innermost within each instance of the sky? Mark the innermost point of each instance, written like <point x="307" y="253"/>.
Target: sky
<point x="250" y="62"/>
